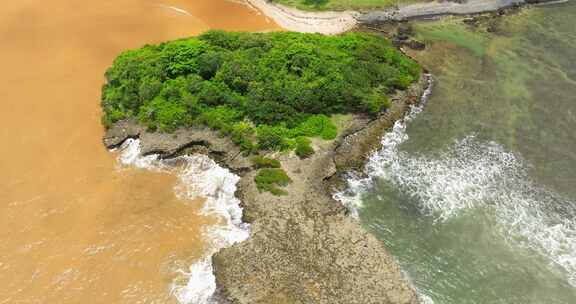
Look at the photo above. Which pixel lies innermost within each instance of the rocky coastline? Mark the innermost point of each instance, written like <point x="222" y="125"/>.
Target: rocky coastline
<point x="304" y="247"/>
<point x="335" y="22"/>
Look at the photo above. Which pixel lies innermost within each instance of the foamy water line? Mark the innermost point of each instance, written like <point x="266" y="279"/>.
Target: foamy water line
<point x="473" y="174"/>
<point x="360" y="183"/>
<point x="175" y="9"/>
<point x="357" y="184"/>
<point x="198" y="177"/>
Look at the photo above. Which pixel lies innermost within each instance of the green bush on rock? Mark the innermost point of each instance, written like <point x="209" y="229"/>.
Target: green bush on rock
<point x="264" y="90"/>
<point x="270" y="179"/>
<point x="265" y="162"/>
<point x="303" y="147"/>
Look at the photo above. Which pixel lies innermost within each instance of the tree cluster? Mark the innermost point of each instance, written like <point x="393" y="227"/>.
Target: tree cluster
<point x="264" y="90"/>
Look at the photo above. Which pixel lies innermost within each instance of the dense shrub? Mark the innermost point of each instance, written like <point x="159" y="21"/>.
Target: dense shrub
<point x="265" y="162"/>
<point x="272" y="138"/>
<point x="303" y="147"/>
<point x="262" y="89"/>
<point x="271" y="179"/>
<point x="241" y="134"/>
<point x="316" y="125"/>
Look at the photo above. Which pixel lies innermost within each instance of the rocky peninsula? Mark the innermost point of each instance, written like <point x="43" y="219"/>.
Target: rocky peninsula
<point x="309" y="108"/>
<point x="304" y="248"/>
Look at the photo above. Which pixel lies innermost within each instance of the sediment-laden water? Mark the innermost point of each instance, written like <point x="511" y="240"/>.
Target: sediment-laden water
<point x="198" y="177"/>
<point x="476" y="194"/>
<point x="77" y="226"/>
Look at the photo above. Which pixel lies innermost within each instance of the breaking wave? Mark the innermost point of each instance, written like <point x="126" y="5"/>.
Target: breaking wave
<point x="198" y="177"/>
<point x="473" y="174"/>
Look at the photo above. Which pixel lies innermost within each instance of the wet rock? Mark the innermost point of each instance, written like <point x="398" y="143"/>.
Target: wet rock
<point x="492" y="28"/>
<point x="405" y="29"/>
<point x="472" y="22"/>
<point x="181" y="142"/>
<point x="119" y="132"/>
<point x="402" y="37"/>
<point x="416" y="45"/>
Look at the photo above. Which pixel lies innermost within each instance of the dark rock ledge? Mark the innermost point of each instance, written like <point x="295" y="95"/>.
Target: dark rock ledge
<point x="304" y="248"/>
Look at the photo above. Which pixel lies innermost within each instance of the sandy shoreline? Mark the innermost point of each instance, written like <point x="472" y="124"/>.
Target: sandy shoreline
<point x="306" y="22"/>
<point x="339" y="22"/>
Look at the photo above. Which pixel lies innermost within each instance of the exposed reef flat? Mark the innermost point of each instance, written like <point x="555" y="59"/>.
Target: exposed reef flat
<point x="304" y="247"/>
<point x="327" y="22"/>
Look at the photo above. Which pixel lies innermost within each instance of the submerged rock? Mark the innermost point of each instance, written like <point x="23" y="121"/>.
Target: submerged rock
<point x="416" y="45"/>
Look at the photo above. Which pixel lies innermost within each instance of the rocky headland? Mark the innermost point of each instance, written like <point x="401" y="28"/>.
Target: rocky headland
<point x="304" y="247"/>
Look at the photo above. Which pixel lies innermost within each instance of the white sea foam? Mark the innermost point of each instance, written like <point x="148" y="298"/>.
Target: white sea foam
<point x="201" y="177"/>
<point x="472" y="174"/>
<point x="176" y="9"/>
<point x="424" y="299"/>
<point x="351" y="197"/>
<point x="130" y="156"/>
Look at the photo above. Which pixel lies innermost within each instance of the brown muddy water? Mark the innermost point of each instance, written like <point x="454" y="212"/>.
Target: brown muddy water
<point x="75" y="226"/>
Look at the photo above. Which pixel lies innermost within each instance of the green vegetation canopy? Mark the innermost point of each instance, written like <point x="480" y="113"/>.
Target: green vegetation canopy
<point x="264" y="90"/>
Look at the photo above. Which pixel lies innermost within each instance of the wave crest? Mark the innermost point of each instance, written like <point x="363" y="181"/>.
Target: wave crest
<point x="198" y="177"/>
<point x="472" y="174"/>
